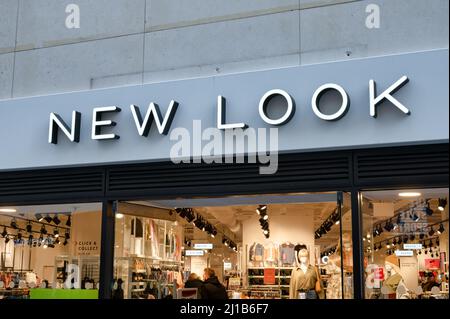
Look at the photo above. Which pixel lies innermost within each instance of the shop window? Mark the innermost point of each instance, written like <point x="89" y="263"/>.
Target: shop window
<point x="50" y="251"/>
<point x="280" y="246"/>
<point x="406" y="244"/>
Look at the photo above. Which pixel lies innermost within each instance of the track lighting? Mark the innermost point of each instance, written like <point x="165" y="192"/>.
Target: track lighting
<point x="56" y="220"/>
<point x="65" y="242"/>
<point x="431" y="232"/>
<point x="57" y="241"/>
<point x="39" y="217"/>
<point x="48" y="218"/>
<point x="441" y="229"/>
<point x="56" y="232"/>
<point x="4" y="232"/>
<point x="43" y="230"/>
<point x="442" y="203"/>
<point x="14" y="224"/>
<point x="414" y="216"/>
<point x="19" y="235"/>
<point x="422" y="236"/>
<point x="69" y="221"/>
<point x="7" y="239"/>
<point x="29" y="227"/>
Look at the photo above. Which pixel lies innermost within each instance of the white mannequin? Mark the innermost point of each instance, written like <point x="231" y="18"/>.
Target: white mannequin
<point x="303" y="260"/>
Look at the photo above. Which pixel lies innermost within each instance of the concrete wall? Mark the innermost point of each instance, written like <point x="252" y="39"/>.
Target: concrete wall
<point x="129" y="42"/>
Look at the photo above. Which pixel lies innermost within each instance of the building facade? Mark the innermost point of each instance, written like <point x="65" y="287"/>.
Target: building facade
<point x="350" y="97"/>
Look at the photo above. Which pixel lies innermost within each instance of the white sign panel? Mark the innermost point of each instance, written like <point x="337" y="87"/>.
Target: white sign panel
<point x="203" y="246"/>
<point x="404" y="253"/>
<point x="194" y="253"/>
<point x="227" y="266"/>
<point x="412" y="246"/>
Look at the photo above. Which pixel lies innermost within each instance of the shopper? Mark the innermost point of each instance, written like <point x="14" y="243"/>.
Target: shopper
<point x="212" y="288"/>
<point x="194" y="281"/>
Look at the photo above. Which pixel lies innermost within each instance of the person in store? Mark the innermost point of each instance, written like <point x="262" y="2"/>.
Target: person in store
<point x="194" y="281"/>
<point x="430" y="283"/>
<point x="212" y="289"/>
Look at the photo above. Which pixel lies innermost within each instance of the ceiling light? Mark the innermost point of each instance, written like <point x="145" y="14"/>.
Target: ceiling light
<point x="57" y="241"/>
<point x="56" y="220"/>
<point x="19" y="235"/>
<point x="56" y="232"/>
<point x="409" y="194"/>
<point x="48" y="218"/>
<point x="43" y="230"/>
<point x="4" y="232"/>
<point x="431" y="232"/>
<point x="442" y="204"/>
<point x="428" y="211"/>
<point x="45" y="245"/>
<point x="265" y="232"/>
<point x="118" y="216"/>
<point x="29" y="227"/>
<point x="415" y="217"/>
<point x="8" y="210"/>
<point x="7" y="239"/>
<point x="14" y="223"/>
<point x="67" y="235"/>
<point x="69" y="220"/>
<point x="441" y="229"/>
<point x="266" y="217"/>
<point x="39" y="217"/>
<point x="65" y="242"/>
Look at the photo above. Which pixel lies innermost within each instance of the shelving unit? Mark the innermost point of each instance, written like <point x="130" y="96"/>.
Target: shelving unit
<point x="282" y="279"/>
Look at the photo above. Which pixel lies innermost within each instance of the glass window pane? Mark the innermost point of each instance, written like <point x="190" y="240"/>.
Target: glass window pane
<point x="406" y="244"/>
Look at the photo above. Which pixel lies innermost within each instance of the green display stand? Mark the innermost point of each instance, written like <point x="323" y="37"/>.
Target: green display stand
<point x="40" y="293"/>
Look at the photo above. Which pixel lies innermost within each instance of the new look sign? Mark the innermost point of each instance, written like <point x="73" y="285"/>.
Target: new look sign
<point x="342" y="105"/>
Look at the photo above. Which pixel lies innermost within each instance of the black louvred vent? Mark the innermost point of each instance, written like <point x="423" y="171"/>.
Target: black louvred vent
<point x="52" y="183"/>
<point x="403" y="166"/>
<point x="295" y="172"/>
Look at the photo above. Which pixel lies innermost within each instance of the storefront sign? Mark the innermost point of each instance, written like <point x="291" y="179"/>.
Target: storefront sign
<point x="404" y="253"/>
<point x="194" y="252"/>
<point x="412" y="246"/>
<point x="345" y="104"/>
<point x="269" y="276"/>
<point x="87" y="247"/>
<point x="203" y="246"/>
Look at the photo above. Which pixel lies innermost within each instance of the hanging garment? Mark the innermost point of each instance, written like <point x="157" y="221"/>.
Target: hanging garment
<point x="287" y="254"/>
<point x="270" y="254"/>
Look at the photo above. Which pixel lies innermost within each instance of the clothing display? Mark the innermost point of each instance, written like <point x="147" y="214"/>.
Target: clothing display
<point x="302" y="281"/>
<point x="256" y="252"/>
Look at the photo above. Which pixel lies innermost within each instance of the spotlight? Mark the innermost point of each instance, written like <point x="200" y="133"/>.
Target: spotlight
<point x="422" y="236"/>
<point x="69" y="221"/>
<point x="39" y="217"/>
<point x="261" y="209"/>
<point x="19" y="235"/>
<point x="29" y="227"/>
<point x="56" y="220"/>
<point x="267" y="235"/>
<point x="318" y="234"/>
<point x="428" y="210"/>
<point x="57" y="241"/>
<point x="388" y="245"/>
<point x="45" y="245"/>
<point x="405" y="239"/>
<point x="441" y="229"/>
<point x="431" y="232"/>
<point x="14" y="223"/>
<point x="4" y="232"/>
<point x="43" y="230"/>
<point x="442" y="203"/>
<point x="7" y="239"/>
<point x="56" y="232"/>
<point x="48" y="218"/>
<point x="412" y="237"/>
<point x="415" y="217"/>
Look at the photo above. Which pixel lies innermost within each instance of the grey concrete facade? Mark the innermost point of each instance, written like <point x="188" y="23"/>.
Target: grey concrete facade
<point x="128" y="42"/>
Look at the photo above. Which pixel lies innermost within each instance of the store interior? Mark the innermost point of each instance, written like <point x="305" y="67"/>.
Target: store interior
<point x="406" y="243"/>
<point x="50" y="251"/>
<point x="278" y="246"/>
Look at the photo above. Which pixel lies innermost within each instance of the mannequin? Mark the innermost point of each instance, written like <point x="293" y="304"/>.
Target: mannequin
<point x="305" y="279"/>
<point x="395" y="280"/>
